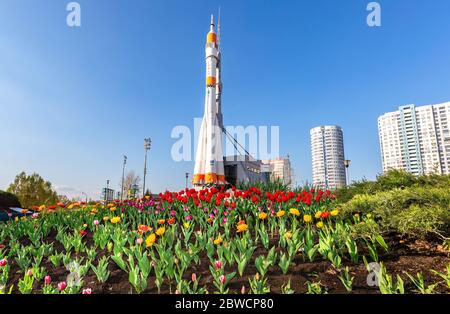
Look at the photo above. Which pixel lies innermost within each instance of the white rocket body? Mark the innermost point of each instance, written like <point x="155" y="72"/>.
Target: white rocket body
<point x="209" y="169"/>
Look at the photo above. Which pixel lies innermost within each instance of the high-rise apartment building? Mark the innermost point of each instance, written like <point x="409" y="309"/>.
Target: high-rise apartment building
<point x="416" y="139"/>
<point x="327" y="148"/>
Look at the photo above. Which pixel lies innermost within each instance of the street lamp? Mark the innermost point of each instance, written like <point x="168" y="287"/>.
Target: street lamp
<point x="187" y="176"/>
<point x="123" y="174"/>
<point x="106" y="191"/>
<point x="347" y="164"/>
<point x="82" y="193"/>
<point x="147" y="145"/>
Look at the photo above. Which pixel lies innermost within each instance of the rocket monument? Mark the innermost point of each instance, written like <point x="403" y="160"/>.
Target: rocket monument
<point x="209" y="167"/>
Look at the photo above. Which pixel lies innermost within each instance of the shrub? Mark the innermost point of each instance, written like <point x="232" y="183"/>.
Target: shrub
<point x="8" y="200"/>
<point x="413" y="210"/>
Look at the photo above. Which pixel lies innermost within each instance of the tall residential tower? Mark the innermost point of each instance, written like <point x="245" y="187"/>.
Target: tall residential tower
<point x="327" y="147"/>
<point x="416" y="139"/>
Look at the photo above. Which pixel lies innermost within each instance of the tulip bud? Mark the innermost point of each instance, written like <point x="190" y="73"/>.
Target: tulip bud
<point x="47" y="280"/>
<point x="87" y="291"/>
<point x="218" y="264"/>
<point x="243" y="290"/>
<point x="222" y="279"/>
<point x="62" y="285"/>
<point x="177" y="291"/>
<point x="194" y="277"/>
<point x="96" y="222"/>
<point x="257" y="276"/>
<point x="139" y="241"/>
<point x="3" y="262"/>
<point x="30" y="272"/>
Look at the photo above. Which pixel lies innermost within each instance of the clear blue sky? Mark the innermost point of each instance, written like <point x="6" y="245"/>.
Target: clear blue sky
<point x="73" y="101"/>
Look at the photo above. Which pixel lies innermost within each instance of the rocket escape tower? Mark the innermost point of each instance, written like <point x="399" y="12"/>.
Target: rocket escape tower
<point x="209" y="164"/>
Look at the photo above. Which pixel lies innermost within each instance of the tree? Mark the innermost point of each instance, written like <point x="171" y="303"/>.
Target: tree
<point x="131" y="180"/>
<point x="33" y="190"/>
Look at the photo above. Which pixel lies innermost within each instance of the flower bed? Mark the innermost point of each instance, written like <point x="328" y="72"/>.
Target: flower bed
<point x="214" y="241"/>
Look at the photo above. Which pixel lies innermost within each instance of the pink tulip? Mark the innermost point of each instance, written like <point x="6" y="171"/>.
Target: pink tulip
<point x="194" y="277"/>
<point x="30" y="272"/>
<point x="62" y="285"/>
<point x="47" y="280"/>
<point x="139" y="241"/>
<point x="222" y="279"/>
<point x="218" y="264"/>
<point x="3" y="262"/>
<point x="87" y="291"/>
<point x="96" y="222"/>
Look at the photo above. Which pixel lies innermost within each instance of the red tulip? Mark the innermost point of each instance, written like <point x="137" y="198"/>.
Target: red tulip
<point x="3" y="262"/>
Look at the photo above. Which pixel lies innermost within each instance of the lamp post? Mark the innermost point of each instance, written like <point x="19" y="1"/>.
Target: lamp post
<point x="123" y="175"/>
<point x="107" y="191"/>
<point x="347" y="164"/>
<point x="82" y="193"/>
<point x="187" y="176"/>
<point x="147" y="145"/>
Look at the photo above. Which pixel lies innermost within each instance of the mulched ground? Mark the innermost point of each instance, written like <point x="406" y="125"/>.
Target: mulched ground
<point x="405" y="255"/>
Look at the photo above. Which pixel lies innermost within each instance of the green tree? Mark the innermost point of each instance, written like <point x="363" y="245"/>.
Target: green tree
<point x="33" y="190"/>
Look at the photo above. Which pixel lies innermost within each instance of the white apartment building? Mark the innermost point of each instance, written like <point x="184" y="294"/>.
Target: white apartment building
<point x="327" y="148"/>
<point x="416" y="139"/>
<point x="280" y="169"/>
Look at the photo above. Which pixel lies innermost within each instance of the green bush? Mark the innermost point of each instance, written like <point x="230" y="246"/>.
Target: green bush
<point x="413" y="210"/>
<point x="393" y="179"/>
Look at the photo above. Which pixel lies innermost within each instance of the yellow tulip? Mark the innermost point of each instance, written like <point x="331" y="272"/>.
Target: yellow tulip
<point x="288" y="235"/>
<point x="161" y="231"/>
<point x="334" y="213"/>
<point x="307" y="218"/>
<point x="280" y="213"/>
<point x="151" y="239"/>
<point x="294" y="211"/>
<point x="242" y="228"/>
<point x="262" y="215"/>
<point x="319" y="225"/>
<point x="218" y="240"/>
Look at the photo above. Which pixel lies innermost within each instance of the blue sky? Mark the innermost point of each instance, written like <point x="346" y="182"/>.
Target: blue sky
<point x="74" y="100"/>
